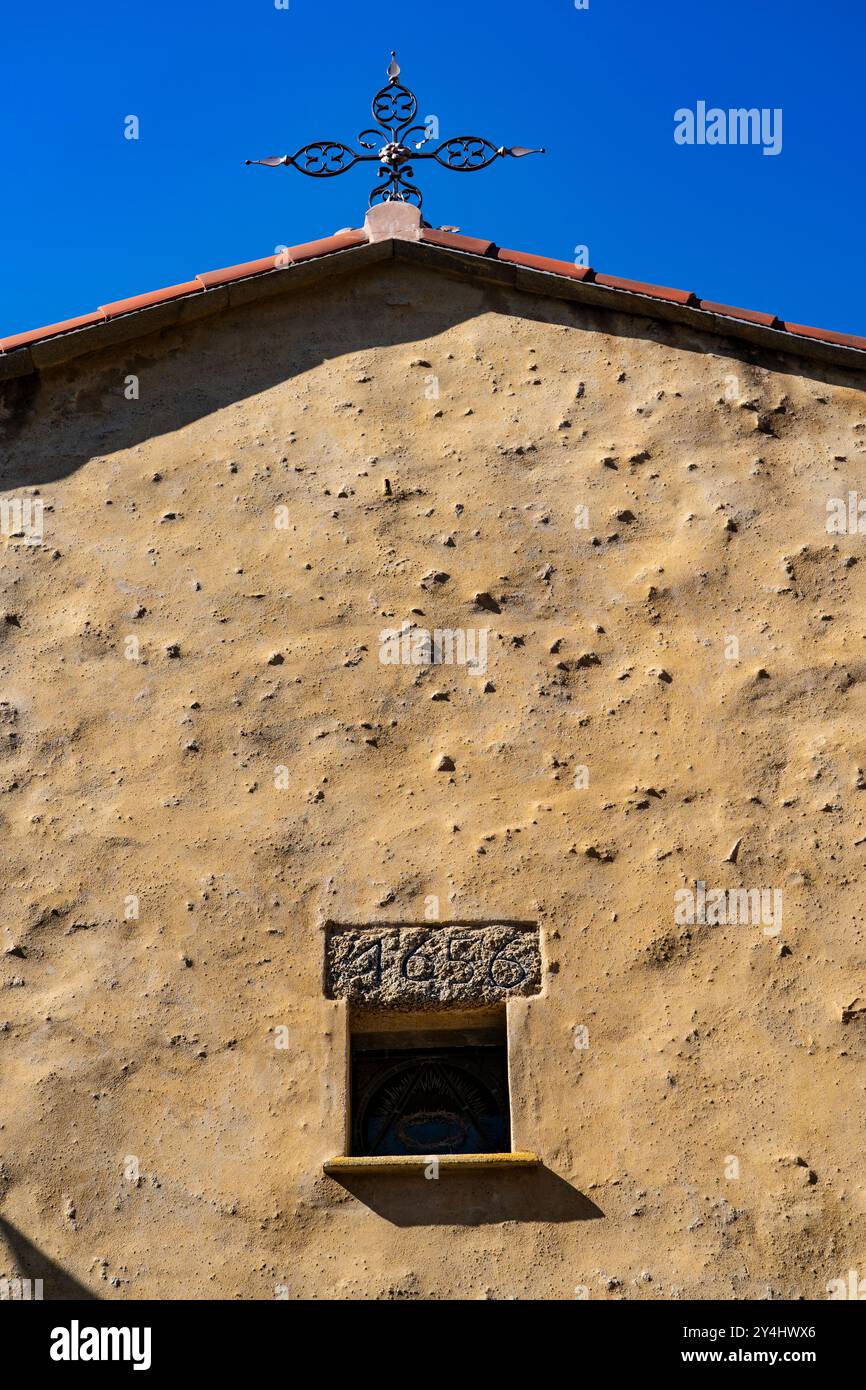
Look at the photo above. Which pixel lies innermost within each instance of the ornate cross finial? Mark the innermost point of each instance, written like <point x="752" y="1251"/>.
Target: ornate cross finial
<point x="394" y="109"/>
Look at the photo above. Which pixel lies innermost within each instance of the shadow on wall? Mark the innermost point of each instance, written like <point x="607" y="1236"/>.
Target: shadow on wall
<point x="30" y="1263"/>
<point x="470" y="1199"/>
<point x="51" y="426"/>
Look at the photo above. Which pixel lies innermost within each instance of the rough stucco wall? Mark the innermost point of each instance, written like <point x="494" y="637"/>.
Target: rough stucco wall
<point x="705" y="1042"/>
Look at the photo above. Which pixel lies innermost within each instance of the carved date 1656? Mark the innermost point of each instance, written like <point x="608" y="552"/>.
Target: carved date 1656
<point x="426" y="966"/>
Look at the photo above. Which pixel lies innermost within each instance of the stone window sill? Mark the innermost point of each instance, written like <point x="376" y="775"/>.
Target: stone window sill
<point x="409" y="1163"/>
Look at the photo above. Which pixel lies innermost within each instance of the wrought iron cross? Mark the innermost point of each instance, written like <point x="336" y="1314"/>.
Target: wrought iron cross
<point x="394" y="108"/>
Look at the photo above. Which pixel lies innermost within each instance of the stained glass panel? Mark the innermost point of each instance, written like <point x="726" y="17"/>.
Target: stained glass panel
<point x="431" y="1101"/>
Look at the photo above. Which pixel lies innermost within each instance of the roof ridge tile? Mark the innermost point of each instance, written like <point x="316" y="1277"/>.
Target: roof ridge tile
<point x="615" y="282"/>
<point x="531" y="262"/>
<point x="144" y="301"/>
<point x="33" y="335"/>
<point x="285" y="258"/>
<point x="454" y="241"/>
<point x="825" y="335"/>
<point x="730" y="311"/>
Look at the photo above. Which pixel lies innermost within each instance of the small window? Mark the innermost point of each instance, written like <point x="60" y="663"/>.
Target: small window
<point x="436" y="1090"/>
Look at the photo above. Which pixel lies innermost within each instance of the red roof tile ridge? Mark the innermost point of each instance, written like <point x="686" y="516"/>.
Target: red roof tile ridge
<point x="530" y="262"/>
<point x="826" y="335"/>
<point x="685" y="297"/>
<point x="282" y="259"/>
<point x="33" y="335"/>
<point x="454" y="241"/>
<point x="615" y="282"/>
<point x="287" y="257"/>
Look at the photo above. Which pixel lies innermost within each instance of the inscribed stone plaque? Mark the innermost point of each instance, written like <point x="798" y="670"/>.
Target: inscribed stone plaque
<point x="428" y="966"/>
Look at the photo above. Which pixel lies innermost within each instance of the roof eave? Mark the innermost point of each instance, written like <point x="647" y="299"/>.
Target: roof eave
<point x="152" y="318"/>
<point x="589" y="292"/>
<point x="463" y="257"/>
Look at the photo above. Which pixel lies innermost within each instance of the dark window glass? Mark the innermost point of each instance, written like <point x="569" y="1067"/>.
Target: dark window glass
<point x="449" y="1100"/>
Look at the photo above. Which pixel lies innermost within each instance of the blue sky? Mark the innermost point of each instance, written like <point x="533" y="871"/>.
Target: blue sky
<point x="91" y="216"/>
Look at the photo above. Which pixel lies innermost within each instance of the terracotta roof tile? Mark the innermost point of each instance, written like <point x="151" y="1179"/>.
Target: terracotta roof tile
<point x="654" y="291"/>
<point x="144" y="301"/>
<point x="283" y="260"/>
<point x="454" y="242"/>
<point x="33" y="336"/>
<point x="750" y="315"/>
<point x="575" y="272"/>
<point x="325" y="246"/>
<point x="826" y="336"/>
<point x="207" y="279"/>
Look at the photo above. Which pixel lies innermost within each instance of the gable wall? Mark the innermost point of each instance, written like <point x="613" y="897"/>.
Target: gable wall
<point x="705" y="1042"/>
